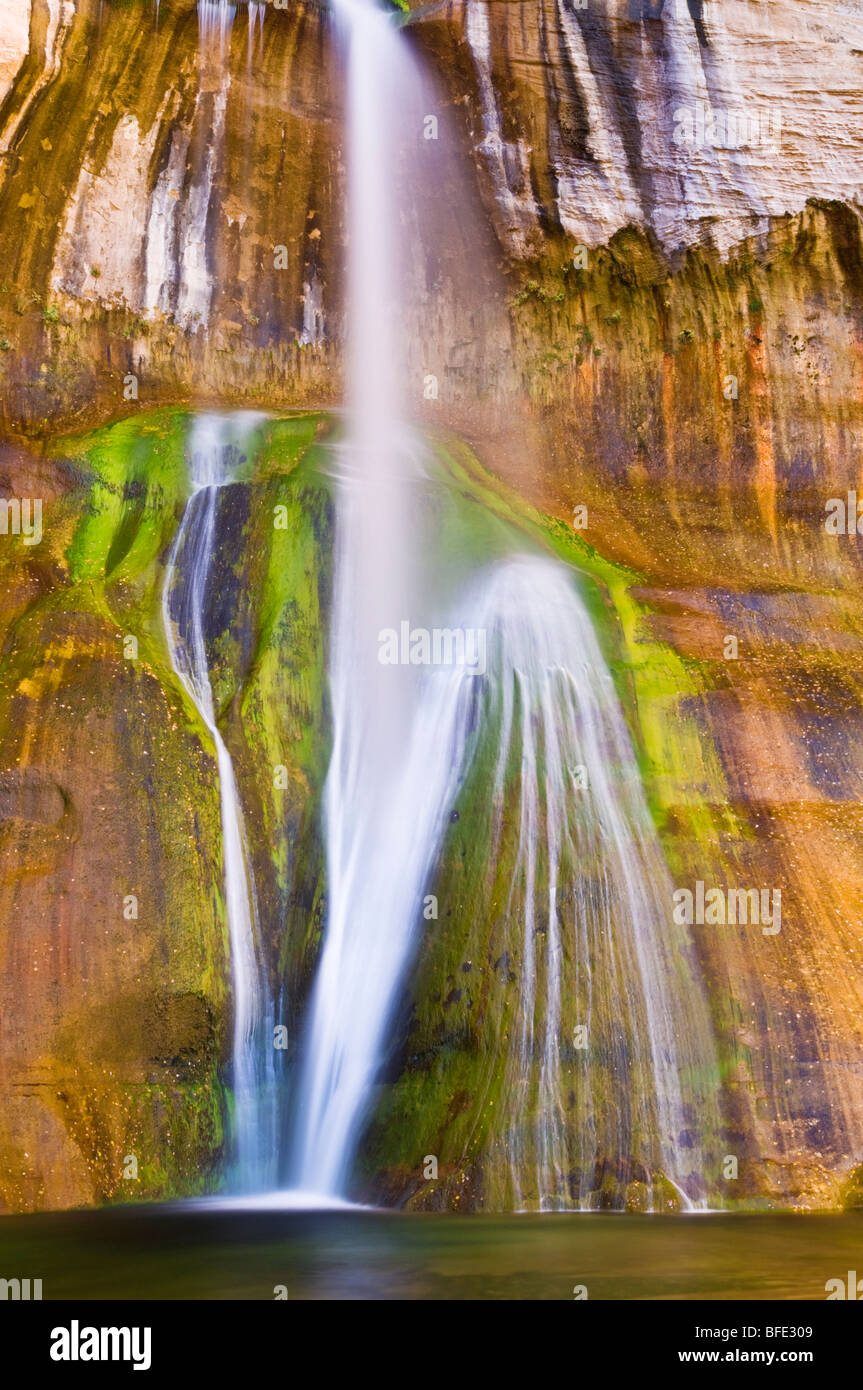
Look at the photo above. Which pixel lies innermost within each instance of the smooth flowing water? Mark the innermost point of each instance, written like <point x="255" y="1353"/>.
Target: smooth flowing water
<point x="588" y="875"/>
<point x="610" y="1071"/>
<point x="179" y="250"/>
<point x="611" y="1062"/>
<point x="386" y="741"/>
<point x="215" y="448"/>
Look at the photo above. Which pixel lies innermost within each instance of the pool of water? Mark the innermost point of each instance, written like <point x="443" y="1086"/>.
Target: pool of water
<point x="218" y="1252"/>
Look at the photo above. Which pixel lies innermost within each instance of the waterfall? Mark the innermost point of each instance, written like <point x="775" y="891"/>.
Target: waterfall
<point x="591" y="892"/>
<point x="384" y="737"/>
<point x="589" y="883"/>
<point x="215" y="447"/>
<point x="215" y="22"/>
<point x="180" y="231"/>
<point x="257" y="10"/>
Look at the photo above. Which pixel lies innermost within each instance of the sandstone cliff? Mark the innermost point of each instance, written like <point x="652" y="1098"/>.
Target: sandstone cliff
<point x="635" y="304"/>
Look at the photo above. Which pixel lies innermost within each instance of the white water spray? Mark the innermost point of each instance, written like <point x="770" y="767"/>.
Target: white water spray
<point x="592" y="893"/>
<point x="215" y="22"/>
<point x="385" y="738"/>
<point x="588" y="874"/>
<point x="214" y="446"/>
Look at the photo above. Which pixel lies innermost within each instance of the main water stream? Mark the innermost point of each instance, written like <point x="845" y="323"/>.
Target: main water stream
<point x="403" y="742"/>
<point x="608" y="1051"/>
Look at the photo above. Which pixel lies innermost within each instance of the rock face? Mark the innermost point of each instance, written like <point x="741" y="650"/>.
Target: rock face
<point x="147" y="180"/>
<point x="695" y="119"/>
<point x="112" y="988"/>
<point x="650" y="307"/>
<point x="14" y="43"/>
<point x="115" y="967"/>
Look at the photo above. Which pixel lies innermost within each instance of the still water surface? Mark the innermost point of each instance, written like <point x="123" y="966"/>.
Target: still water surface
<point x="213" y="1252"/>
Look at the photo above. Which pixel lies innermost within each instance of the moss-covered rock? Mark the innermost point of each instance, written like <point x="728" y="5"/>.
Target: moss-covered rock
<point x="115" y="994"/>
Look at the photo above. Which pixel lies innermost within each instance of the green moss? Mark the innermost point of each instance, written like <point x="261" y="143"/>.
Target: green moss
<point x="267" y="664"/>
<point x="448" y="1097"/>
<point x="268" y="655"/>
<point x="652" y="680"/>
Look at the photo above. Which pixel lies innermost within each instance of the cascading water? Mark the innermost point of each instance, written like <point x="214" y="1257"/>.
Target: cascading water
<point x="591" y="892"/>
<point x="588" y="874"/>
<point x="215" y="446"/>
<point x="384" y="738"/>
<point x="215" y="22"/>
<point x="257" y="9"/>
<point x="195" y="280"/>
